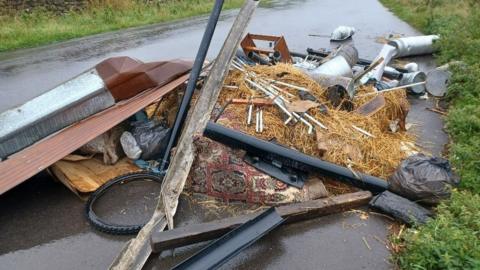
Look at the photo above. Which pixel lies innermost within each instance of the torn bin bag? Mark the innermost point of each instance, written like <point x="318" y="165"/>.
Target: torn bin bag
<point x="424" y="179"/>
<point x="151" y="137"/>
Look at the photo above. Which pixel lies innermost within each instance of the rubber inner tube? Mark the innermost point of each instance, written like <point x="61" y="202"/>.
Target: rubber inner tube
<point x="113" y="228"/>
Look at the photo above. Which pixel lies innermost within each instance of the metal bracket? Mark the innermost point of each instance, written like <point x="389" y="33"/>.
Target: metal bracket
<point x="276" y="169"/>
<point x="232" y="243"/>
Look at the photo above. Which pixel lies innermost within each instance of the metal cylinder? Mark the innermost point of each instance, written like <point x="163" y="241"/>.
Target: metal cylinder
<point x="437" y="80"/>
<point x="409" y="46"/>
<point x="414" y="77"/>
<point x="349" y="52"/>
<point x="338" y="66"/>
<point x="258" y="58"/>
<point x="411" y="67"/>
<point x="328" y="81"/>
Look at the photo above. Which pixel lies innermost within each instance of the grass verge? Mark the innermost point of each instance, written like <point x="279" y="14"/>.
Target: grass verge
<point x="40" y="27"/>
<point x="452" y="240"/>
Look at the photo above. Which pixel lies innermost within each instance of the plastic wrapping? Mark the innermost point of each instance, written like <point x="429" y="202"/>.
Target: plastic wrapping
<point x="424" y="179"/>
<point x="400" y="208"/>
<point x="151" y="137"/>
<point x="130" y="146"/>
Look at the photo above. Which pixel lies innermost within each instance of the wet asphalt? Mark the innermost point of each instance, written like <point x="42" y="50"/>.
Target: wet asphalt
<point x="42" y="224"/>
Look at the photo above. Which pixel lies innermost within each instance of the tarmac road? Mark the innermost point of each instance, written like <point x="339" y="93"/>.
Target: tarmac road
<point x="41" y="222"/>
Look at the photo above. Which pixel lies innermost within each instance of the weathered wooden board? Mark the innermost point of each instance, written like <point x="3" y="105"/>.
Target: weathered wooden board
<point x="293" y="212"/>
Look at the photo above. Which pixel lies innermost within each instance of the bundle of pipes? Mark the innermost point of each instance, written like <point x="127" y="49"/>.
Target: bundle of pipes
<point x="269" y="88"/>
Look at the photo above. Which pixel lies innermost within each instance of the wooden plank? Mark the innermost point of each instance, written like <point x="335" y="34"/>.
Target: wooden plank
<point x="372" y="106"/>
<point x="33" y="159"/>
<point x="137" y="251"/>
<point x="293" y="212"/>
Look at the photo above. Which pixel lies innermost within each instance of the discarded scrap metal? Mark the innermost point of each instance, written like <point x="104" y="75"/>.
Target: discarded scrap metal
<point x="278" y="47"/>
<point x="410" y="46"/>
<point x="289" y="176"/>
<point x="232" y="243"/>
<point x="29" y="161"/>
<point x="112" y="80"/>
<point x="438" y="80"/>
<point x="292" y="158"/>
<point x="411" y="78"/>
<point x="360" y="62"/>
<point x="268" y="88"/>
<point x="125" y="77"/>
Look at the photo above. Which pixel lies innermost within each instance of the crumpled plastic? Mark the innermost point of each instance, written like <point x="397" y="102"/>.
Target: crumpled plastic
<point x="424" y="179"/>
<point x="151" y="137"/>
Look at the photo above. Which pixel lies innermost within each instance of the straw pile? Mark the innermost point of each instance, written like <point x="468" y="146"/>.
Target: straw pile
<point x="341" y="143"/>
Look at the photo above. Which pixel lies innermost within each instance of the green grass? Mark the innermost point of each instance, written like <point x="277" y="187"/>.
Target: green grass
<point x="452" y="240"/>
<point x="23" y="30"/>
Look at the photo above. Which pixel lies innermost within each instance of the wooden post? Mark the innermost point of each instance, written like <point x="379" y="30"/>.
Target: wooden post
<point x="136" y="252"/>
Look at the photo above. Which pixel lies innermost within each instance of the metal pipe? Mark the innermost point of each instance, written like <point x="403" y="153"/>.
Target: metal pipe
<point x="414" y="77"/>
<point x="192" y="81"/>
<point x="360" y="62"/>
<point x="261" y="120"/>
<point x="275" y="98"/>
<point x="249" y="116"/>
<point x="410" y="46"/>
<point x="257" y="58"/>
<point x="337" y="66"/>
<point x="263" y="148"/>
<point x="257" y="121"/>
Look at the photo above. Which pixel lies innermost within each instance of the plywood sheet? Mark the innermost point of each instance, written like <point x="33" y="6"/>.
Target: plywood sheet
<point x="87" y="174"/>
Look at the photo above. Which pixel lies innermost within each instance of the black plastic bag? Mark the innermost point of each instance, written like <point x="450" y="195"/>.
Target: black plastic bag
<point x="151" y="137"/>
<point x="400" y="208"/>
<point x="424" y="179"/>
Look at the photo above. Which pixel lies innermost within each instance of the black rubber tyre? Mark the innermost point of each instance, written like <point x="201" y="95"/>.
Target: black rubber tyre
<point x="112" y="228"/>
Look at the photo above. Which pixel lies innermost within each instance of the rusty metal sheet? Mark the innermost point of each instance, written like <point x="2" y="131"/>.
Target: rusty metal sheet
<point x="279" y="46"/>
<point x="28" y="162"/>
<point x="126" y="77"/>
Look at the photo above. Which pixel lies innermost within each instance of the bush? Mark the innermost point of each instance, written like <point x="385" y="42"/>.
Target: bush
<point x="450" y="241"/>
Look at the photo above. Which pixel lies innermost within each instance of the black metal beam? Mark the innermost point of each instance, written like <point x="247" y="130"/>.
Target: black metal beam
<point x="232" y="243"/>
<point x="294" y="158"/>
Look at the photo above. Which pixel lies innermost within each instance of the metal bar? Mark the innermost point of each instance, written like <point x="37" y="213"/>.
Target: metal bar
<point x="232" y="243"/>
<point x="192" y="81"/>
<point x="392" y="89"/>
<point x="263" y="148"/>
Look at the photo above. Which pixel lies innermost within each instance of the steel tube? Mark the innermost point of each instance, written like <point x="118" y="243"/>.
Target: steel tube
<point x="257" y="58"/>
<point x="192" y="80"/>
<point x="263" y="148"/>
<point x="410" y="46"/>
